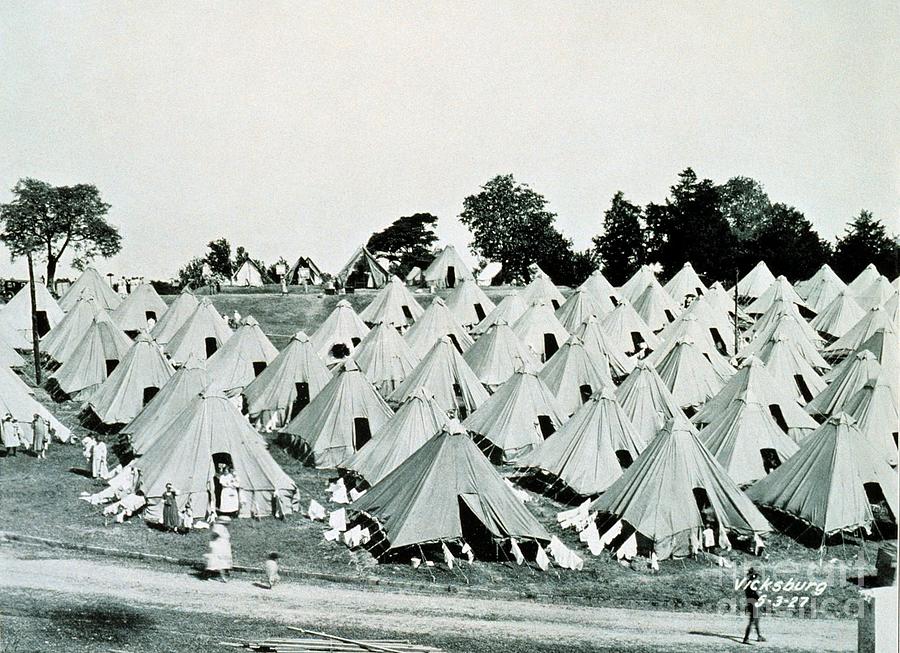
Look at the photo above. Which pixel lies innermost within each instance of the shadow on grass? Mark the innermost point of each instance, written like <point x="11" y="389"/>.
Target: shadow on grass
<point x="737" y="639"/>
<point x="105" y="621"/>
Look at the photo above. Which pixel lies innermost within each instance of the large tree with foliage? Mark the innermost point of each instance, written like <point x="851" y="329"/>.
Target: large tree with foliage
<point x="620" y="247"/>
<point x="745" y="205"/>
<point x="219" y="258"/>
<point x="56" y="220"/>
<point x="691" y="227"/>
<point x="788" y="244"/>
<point x="866" y="240"/>
<point x="407" y="242"/>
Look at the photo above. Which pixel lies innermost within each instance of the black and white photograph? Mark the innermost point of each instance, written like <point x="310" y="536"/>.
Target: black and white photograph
<point x="449" y="327"/>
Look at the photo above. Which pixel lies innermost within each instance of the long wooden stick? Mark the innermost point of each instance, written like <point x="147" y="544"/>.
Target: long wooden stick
<point x="369" y="647"/>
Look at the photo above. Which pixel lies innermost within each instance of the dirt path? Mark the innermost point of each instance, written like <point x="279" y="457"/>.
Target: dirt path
<point x="294" y="602"/>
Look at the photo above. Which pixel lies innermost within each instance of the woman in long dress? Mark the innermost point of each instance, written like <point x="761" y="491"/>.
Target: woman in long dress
<point x="219" y="560"/>
<point x="171" y="517"/>
<point x="40" y="438"/>
<point x="229" y="502"/>
<point x="98" y="460"/>
<point x="10" y="435"/>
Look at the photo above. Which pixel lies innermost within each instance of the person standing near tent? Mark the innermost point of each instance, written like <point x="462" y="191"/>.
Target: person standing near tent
<point x="752" y="597"/>
<point x="98" y="460"/>
<point x="219" y="559"/>
<point x="171" y="518"/>
<point x="11" y="437"/>
<point x="229" y="503"/>
<point x="40" y="437"/>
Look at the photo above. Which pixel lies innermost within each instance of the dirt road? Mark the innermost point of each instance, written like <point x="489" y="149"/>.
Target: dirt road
<point x="388" y="612"/>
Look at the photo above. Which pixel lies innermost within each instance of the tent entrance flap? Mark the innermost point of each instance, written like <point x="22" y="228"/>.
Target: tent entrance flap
<point x="340" y="350"/>
<point x="770" y="459"/>
<point x="550" y="346"/>
<point x="803" y="388"/>
<point x="473" y="525"/>
<point x="150" y="315"/>
<point x="546" y="426"/>
<point x="43" y="323"/>
<point x="451" y="276"/>
<point x="111" y="364"/>
<point x="479" y="311"/>
<point x="258" y="367"/>
<point x="302" y="389"/>
<point x="362" y="433"/>
<point x="625" y="458"/>
<point x="455" y="342"/>
<point x="778" y="416"/>
<point x="586" y="391"/>
<point x="211" y="346"/>
<point x="149" y="393"/>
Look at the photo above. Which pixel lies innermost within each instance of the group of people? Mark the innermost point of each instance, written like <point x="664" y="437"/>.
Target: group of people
<point x="35" y="439"/>
<point x="95" y="452"/>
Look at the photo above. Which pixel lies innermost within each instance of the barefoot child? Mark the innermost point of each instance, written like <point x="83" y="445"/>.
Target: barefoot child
<point x="271" y="567"/>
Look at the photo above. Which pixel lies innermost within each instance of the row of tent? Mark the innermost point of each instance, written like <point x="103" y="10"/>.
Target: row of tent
<point x="551" y="404"/>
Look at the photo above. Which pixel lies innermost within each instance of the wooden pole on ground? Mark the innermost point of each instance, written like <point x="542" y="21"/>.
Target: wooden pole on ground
<point x="371" y="647"/>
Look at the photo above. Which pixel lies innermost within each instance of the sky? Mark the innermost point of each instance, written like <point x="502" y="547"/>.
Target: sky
<point x="300" y="128"/>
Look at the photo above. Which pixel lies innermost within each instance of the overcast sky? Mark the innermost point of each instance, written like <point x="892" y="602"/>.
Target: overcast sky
<point x="299" y="128"/>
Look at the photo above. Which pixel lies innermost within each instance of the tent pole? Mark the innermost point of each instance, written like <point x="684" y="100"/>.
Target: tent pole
<point x="735" y="312"/>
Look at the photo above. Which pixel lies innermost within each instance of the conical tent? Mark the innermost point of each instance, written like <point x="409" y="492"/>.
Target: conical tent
<point x="250" y="274"/>
<point x="656" y="307"/>
<point x="339" y="334"/>
<point x="101" y="349"/>
<point x="14" y="380"/>
<point x="436" y="492"/>
<point x="755" y="282"/>
<point x="765" y="326"/>
<point x="613" y="362"/>
<point x="723" y="300"/>
<point x="573" y="376"/>
<point x="637" y="283"/>
<point x="863" y="368"/>
<point x="875" y="410"/>
<point x="183" y="387"/>
<point x="667" y="477"/>
<point x="817" y="288"/>
<point x="580" y="305"/>
<point x="436" y="322"/>
<point x="202" y="335"/>
<point x="746" y="440"/>
<point x="604" y="293"/>
<point x="363" y="271"/>
<point x="498" y="354"/>
<point x="685" y="284"/>
<point x="447" y="269"/>
<point x="90" y="284"/>
<point x="785" y="362"/>
<point x="210" y="430"/>
<point x="516" y="418"/>
<point x="23" y="407"/>
<point x="863" y="280"/>
<point x="137" y="310"/>
<point x="753" y="379"/>
<point x="876" y="318"/>
<point x="242" y="358"/>
<point x="790" y="330"/>
<point x="690" y="376"/>
<point x="540" y="331"/>
<point x="9" y="357"/>
<point x="290" y="382"/>
<point x="393" y="304"/>
<point x="174" y="318"/>
<point x="541" y="290"/>
<point x="416" y="421"/>
<point x="469" y="304"/>
<point x="878" y="292"/>
<point x="838" y="317"/>
<point x="707" y="338"/>
<point x="15" y="316"/>
<point x="444" y="375"/>
<point x="824" y="484"/>
<point x="885" y="345"/>
<point x="778" y="290"/>
<point x="385" y="358"/>
<point x="62" y="340"/>
<point x="627" y="331"/>
<point x="510" y="309"/>
<point x="133" y="383"/>
<point x="338" y="421"/>
<point x="591" y="449"/>
<point x="647" y="401"/>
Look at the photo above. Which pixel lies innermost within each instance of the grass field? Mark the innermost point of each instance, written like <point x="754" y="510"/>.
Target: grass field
<point x="40" y="498"/>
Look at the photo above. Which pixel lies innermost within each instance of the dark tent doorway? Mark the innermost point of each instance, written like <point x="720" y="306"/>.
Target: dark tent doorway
<point x="550" y="346"/>
<point x="361" y="432"/>
<point x="258" y="367"/>
<point x="546" y="426"/>
<point x="149" y="393"/>
<point x="479" y="312"/>
<point x="302" y="399"/>
<point x="451" y="276"/>
<point x="43" y="323"/>
<point x="211" y="346"/>
<point x="111" y="364"/>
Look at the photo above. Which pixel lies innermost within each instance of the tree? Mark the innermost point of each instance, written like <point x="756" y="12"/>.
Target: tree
<point x="191" y="275"/>
<point x="788" y="244"/>
<point x="620" y="247"/>
<point x="219" y="258"/>
<point x="408" y="242"/>
<point x="745" y="205"/>
<point x="54" y="220"/>
<point x="511" y="225"/>
<point x="865" y="241"/>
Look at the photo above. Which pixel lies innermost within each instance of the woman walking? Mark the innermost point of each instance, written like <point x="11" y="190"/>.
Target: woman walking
<point x="219" y="560"/>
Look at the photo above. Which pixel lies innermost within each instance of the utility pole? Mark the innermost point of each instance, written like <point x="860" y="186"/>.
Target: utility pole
<point x="35" y="337"/>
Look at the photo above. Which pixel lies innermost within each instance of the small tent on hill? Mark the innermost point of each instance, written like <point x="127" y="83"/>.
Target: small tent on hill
<point x="140" y="310"/>
<point x="102" y="347"/>
<point x="647" y="401"/>
<point x="499" y="353"/>
<point x="417" y="419"/>
<point x="447" y="492"/>
<point x="447" y="269"/>
<point x="303" y="271"/>
<point x="201" y="335"/>
<point x="393" y="304"/>
<point x="287" y="385"/>
<point x="831" y="482"/>
<point x="627" y="331"/>
<point x="521" y="414"/>
<point x="604" y="293"/>
<point x="250" y="274"/>
<point x="63" y="339"/>
<point x="174" y="318"/>
<point x="447" y="377"/>
<point x="469" y="304"/>
<point x="15" y="316"/>
<point x="613" y="363"/>
<point x="863" y="280"/>
<point x="746" y="440"/>
<point x="363" y="271"/>
<point x="590" y="451"/>
<point x="637" y="283"/>
<point x="540" y="331"/>
<point x="510" y="309"/>
<point x="385" y="358"/>
<point x="131" y="385"/>
<point x="685" y="284"/>
<point x="242" y="358"/>
<point x="656" y="307"/>
<point x="876" y="411"/>
<point x="837" y="317"/>
<point x="580" y="305"/>
<point x="436" y="322"/>
<point x="573" y="376"/>
<point x="690" y="376"/>
<point x="541" y="290"/>
<point x="208" y="431"/>
<point x="338" y="421"/>
<point x="90" y="284"/>
<point x="687" y="488"/>
<point x="755" y="282"/>
<point x="339" y="334"/>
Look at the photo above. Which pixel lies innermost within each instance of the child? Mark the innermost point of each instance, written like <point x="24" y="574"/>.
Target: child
<point x="271" y="567"/>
